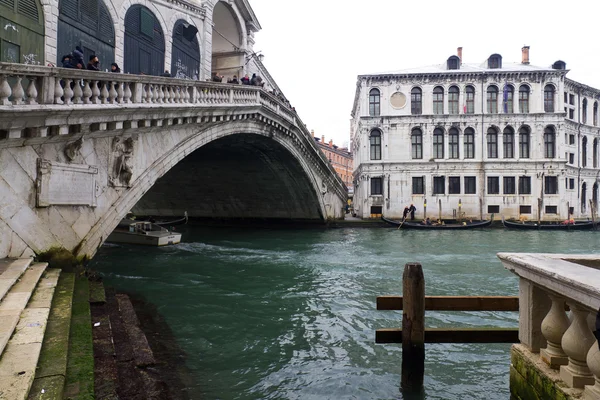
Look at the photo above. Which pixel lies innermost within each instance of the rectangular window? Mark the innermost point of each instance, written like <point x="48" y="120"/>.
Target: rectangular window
<point x="376" y="186"/>
<point x="453" y="101"/>
<point x="415" y="103"/>
<point x="523" y="101"/>
<point x="509" y="185"/>
<point x="492" y="142"/>
<point x="146" y="23"/>
<point x="493" y="185"/>
<point x="571" y="158"/>
<point x="438" y="103"/>
<point x="493" y="209"/>
<point x="375" y="142"/>
<point x="470" y="101"/>
<point x="439" y="185"/>
<point x="469" y="145"/>
<point x="571" y="139"/>
<point x="524" y="145"/>
<point x="571" y="114"/>
<point x="566" y="98"/>
<point x="438" y="146"/>
<point x="470" y="185"/>
<point x="509" y="145"/>
<point x="524" y="185"/>
<point x="492" y="102"/>
<point x="417" y="146"/>
<point x="550" y="185"/>
<point x="571" y="183"/>
<point x="551" y="209"/>
<point x="418" y="185"/>
<point x="453" y="144"/>
<point x="572" y="99"/>
<point x="524" y="209"/>
<point x="454" y="185"/>
<point x="376" y="210"/>
<point x="508" y="103"/>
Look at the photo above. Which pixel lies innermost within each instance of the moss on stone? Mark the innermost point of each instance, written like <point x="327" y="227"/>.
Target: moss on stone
<point x="58" y="257"/>
<point x="97" y="294"/>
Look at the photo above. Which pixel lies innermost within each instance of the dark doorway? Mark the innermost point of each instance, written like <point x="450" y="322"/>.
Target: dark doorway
<point x="185" y="60"/>
<point x="144" y="42"/>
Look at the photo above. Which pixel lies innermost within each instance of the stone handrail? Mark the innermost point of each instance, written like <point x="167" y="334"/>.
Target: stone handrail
<point x="566" y="343"/>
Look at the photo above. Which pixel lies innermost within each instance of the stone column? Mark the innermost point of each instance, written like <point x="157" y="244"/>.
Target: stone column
<point x="534" y="304"/>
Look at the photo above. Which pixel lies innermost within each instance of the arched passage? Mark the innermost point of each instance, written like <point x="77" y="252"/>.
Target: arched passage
<point x="22" y="31"/>
<point x="227" y="42"/>
<point x="185" y="55"/>
<point x="86" y="24"/>
<point x="144" y="42"/>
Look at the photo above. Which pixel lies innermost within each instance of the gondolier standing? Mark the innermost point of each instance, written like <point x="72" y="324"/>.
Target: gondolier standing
<point x="412" y="210"/>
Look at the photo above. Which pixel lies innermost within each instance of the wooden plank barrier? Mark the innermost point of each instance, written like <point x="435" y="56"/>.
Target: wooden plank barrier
<point x="414" y="335"/>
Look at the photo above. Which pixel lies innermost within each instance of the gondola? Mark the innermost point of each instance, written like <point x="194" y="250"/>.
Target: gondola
<point x="445" y="226"/>
<point x="549" y="226"/>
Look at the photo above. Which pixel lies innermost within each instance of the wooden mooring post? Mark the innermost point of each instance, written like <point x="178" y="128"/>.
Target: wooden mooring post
<point x="413" y="335"/>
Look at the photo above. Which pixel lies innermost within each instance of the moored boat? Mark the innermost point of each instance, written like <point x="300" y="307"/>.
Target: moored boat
<point x="143" y="232"/>
<point x="443" y="226"/>
<point x="549" y="226"/>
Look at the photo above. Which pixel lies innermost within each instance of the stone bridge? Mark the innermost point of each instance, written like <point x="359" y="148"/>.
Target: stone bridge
<point x="79" y="149"/>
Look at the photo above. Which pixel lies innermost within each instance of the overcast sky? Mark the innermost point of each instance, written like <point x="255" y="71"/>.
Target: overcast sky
<point x="315" y="49"/>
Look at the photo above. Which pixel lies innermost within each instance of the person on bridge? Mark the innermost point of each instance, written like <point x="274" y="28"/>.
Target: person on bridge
<point x="67" y="62"/>
<point x="94" y="63"/>
<point x="114" y="67"/>
<point x="245" y="80"/>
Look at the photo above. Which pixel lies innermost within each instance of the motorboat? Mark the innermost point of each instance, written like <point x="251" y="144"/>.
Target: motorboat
<point x="143" y="232"/>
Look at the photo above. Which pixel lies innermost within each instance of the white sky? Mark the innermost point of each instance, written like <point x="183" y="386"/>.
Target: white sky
<point x="314" y="49"/>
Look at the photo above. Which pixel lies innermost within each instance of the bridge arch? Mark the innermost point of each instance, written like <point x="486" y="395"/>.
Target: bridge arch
<point x="249" y="129"/>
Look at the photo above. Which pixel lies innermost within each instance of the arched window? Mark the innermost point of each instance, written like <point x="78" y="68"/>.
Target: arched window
<point x="416" y="101"/>
<point x="524" y="99"/>
<point x="549" y="98"/>
<point x="492" y="142"/>
<point x="416" y="139"/>
<point x="595" y="153"/>
<point x="595" y="113"/>
<point x="508" y="141"/>
<point x="508" y="100"/>
<point x="375" y="140"/>
<point x="524" y="142"/>
<point x="549" y="142"/>
<point x="438" y="100"/>
<point x="470" y="93"/>
<point x="438" y="143"/>
<point x="453" y="142"/>
<point x="492" y="100"/>
<point x="584" y="111"/>
<point x="469" y="140"/>
<point x="584" y="152"/>
<point x="185" y="54"/>
<point x="453" y="99"/>
<point x="144" y="42"/>
<point x="374" y="103"/>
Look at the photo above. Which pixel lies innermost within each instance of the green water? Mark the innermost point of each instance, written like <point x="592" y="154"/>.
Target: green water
<point x="290" y="314"/>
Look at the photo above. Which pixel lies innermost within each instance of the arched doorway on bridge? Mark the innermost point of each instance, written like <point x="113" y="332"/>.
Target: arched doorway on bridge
<point x="144" y="42"/>
<point x="86" y="24"/>
<point x="22" y="33"/>
<point x="228" y="55"/>
<point x="185" y="54"/>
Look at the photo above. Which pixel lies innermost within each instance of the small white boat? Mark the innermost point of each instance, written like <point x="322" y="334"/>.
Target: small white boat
<point x="143" y="232"/>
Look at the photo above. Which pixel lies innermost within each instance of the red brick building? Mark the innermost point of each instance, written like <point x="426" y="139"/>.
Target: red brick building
<point x="340" y="159"/>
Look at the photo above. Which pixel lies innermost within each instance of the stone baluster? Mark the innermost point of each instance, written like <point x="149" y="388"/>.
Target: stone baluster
<point x="194" y="94"/>
<point x="177" y="94"/>
<point x="32" y="92"/>
<point x="87" y="92"/>
<point x="77" y="92"/>
<point x="17" y="92"/>
<point x="104" y="92"/>
<point x="155" y="95"/>
<point x="171" y="94"/>
<point x="68" y="95"/>
<point x="120" y="92"/>
<point x="576" y="342"/>
<point x="58" y="91"/>
<point x="95" y="93"/>
<point x="593" y="363"/>
<point x="186" y="91"/>
<point x="5" y="91"/>
<point x="147" y="93"/>
<point x="202" y="95"/>
<point x="112" y="93"/>
<point x="127" y="93"/>
<point x="161" y="94"/>
<point x="167" y="94"/>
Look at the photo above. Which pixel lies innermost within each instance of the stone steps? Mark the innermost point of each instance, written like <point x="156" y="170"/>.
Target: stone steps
<point x="26" y="307"/>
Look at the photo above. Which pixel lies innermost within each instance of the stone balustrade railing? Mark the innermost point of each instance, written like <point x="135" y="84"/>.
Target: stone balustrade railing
<point x="565" y="340"/>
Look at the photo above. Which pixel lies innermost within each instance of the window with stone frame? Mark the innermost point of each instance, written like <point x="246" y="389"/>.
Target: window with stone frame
<point x="375" y="144"/>
<point x="453" y="100"/>
<point x="584" y="104"/>
<point x="524" y="99"/>
<point x="508" y="185"/>
<point x="374" y="103"/>
<point x="549" y="142"/>
<point x="551" y="209"/>
<point x="508" y="142"/>
<point x="595" y="153"/>
<point x="454" y="185"/>
<point x="524" y="209"/>
<point x="469" y="143"/>
<point x="438" y="100"/>
<point x="524" y="185"/>
<point x="438" y="143"/>
<point x="416" y="101"/>
<point x="416" y="139"/>
<point x="470" y="95"/>
<point x="509" y="96"/>
<point x="492" y="100"/>
<point x="470" y="185"/>
<point x="453" y="143"/>
<point x="493" y="185"/>
<point x="418" y="185"/>
<point x="376" y="186"/>
<point x="551" y="185"/>
<point x="524" y="136"/>
<point x="439" y="185"/>
<point x="492" y="143"/>
<point x="549" y="98"/>
<point x="595" y="115"/>
<point x="584" y="151"/>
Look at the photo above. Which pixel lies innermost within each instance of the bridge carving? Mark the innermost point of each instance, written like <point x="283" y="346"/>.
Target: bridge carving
<point x="79" y="149"/>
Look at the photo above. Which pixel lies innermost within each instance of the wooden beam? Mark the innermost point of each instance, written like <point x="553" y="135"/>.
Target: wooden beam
<point x="455" y="303"/>
<point x="413" y="329"/>
<point x="454" y="335"/>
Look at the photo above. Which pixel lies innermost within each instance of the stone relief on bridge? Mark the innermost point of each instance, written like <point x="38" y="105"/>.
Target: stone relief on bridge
<point x="72" y="149"/>
<point x="121" y="162"/>
<point x="66" y="184"/>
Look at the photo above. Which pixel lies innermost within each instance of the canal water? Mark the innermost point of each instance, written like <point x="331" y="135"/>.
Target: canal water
<point x="290" y="314"/>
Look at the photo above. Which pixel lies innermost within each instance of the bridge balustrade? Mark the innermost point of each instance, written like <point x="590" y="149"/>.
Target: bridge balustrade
<point x="565" y="342"/>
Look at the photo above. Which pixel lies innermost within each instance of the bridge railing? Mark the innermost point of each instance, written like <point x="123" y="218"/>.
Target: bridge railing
<point x="550" y="284"/>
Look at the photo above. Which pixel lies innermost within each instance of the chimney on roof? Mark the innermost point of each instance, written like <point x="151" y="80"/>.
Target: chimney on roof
<point x="459" y="54"/>
<point x="330" y="142"/>
<point x="525" y="55"/>
<point x="323" y="139"/>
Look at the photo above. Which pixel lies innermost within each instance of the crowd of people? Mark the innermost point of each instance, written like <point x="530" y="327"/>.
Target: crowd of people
<point x="246" y="80"/>
<point x="75" y="60"/>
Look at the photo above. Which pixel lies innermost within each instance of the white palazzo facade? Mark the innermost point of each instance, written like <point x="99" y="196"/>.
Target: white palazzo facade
<point x="513" y="140"/>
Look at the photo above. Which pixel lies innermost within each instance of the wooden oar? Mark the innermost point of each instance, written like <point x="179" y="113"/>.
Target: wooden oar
<point x="403" y="219"/>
